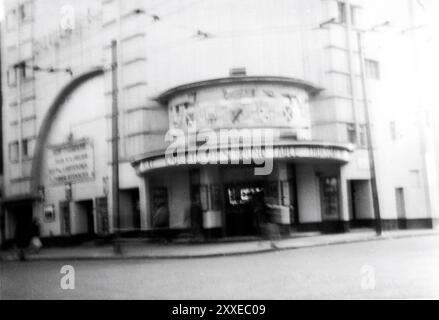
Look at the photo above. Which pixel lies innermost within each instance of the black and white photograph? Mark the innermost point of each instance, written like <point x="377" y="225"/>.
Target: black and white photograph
<point x="219" y="150"/>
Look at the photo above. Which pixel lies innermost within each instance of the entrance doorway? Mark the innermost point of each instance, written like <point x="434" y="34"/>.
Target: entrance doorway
<point x="330" y="200"/>
<point x="400" y="208"/>
<point x="360" y="201"/>
<point x="130" y="209"/>
<point x="20" y="216"/>
<point x="85" y="218"/>
<point x="240" y="218"/>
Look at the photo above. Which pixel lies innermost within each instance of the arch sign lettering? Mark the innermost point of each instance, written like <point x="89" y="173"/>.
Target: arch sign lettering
<point x="71" y="162"/>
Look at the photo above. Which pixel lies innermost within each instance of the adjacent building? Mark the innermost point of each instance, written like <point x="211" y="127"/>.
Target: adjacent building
<point x="289" y="68"/>
<point x="2" y="222"/>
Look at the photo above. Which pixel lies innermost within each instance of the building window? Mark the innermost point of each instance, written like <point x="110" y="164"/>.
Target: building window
<point x="22" y="12"/>
<point x="22" y="15"/>
<point x="372" y="69"/>
<point x="363" y="135"/>
<point x="26" y="71"/>
<point x="351" y="133"/>
<point x="26" y="148"/>
<point x="25" y="12"/>
<point x="11" y="20"/>
<point x="13" y="151"/>
<point x="342" y="13"/>
<point x="11" y="76"/>
<point x="354" y="17"/>
<point x="393" y="135"/>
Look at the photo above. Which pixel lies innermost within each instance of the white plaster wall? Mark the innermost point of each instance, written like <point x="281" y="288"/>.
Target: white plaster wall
<point x="245" y="35"/>
<point x="177" y="183"/>
<point x="308" y="194"/>
<point x="84" y="116"/>
<point x="179" y="198"/>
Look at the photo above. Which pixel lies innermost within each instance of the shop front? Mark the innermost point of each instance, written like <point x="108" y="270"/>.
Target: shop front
<point x="307" y="189"/>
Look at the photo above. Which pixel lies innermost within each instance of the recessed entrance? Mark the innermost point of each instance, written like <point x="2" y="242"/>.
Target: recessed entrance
<point x="85" y="218"/>
<point x="240" y="217"/>
<point x="360" y="202"/>
<point x="19" y="219"/>
<point x="400" y="208"/>
<point x="130" y="209"/>
<point x="330" y="202"/>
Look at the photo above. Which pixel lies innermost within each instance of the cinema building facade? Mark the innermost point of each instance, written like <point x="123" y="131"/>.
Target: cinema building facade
<point x="297" y="88"/>
<point x="304" y="174"/>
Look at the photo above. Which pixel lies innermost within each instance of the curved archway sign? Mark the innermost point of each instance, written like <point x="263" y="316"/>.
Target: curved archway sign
<point x="46" y="126"/>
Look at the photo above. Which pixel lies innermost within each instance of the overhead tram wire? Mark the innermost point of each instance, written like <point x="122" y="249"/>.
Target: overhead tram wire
<point x="158" y="17"/>
<point x="160" y="4"/>
<point x="24" y="65"/>
<point x="161" y="18"/>
<point x="228" y="34"/>
<point x="200" y="34"/>
<point x="167" y="2"/>
<point x="179" y="9"/>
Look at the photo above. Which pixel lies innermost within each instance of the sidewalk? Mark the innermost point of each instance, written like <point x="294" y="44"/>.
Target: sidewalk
<point x="139" y="250"/>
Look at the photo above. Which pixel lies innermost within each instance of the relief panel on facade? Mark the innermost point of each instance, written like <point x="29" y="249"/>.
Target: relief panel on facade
<point x="241" y="107"/>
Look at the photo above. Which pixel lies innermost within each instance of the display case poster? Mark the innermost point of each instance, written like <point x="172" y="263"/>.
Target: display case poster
<point x="330" y="198"/>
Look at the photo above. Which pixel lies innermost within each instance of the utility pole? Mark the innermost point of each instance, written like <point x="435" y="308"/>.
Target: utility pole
<point x="370" y="148"/>
<point x="359" y="33"/>
<point x="115" y="146"/>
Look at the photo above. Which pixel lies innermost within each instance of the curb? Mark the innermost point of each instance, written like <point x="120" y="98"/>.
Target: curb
<point x="223" y="254"/>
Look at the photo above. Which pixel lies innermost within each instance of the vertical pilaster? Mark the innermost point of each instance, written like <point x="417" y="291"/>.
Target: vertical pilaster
<point x="145" y="210"/>
<point x="344" y="199"/>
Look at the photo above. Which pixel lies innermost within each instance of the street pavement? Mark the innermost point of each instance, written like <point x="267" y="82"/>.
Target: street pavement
<point x="393" y="268"/>
<point x="141" y="249"/>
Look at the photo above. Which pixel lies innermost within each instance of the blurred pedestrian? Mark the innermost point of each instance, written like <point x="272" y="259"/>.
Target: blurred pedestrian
<point x="196" y="219"/>
<point x="35" y="242"/>
<point x="266" y="215"/>
<point x="22" y="238"/>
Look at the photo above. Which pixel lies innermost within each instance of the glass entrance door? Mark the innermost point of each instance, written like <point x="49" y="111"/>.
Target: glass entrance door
<point x="330" y="199"/>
